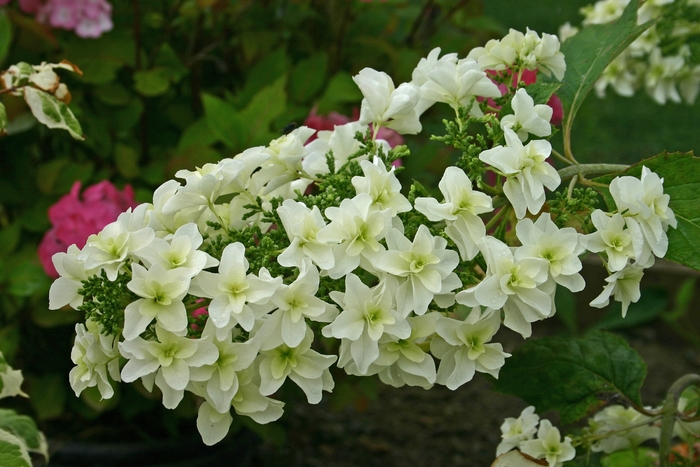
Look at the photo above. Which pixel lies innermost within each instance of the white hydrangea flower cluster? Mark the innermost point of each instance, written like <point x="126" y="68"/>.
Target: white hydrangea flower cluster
<point x="281" y="241"/>
<point x="547" y="444"/>
<point x="659" y="61"/>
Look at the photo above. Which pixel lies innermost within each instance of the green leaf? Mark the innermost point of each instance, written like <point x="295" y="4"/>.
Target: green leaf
<point x="341" y="89"/>
<point x="168" y="60"/>
<point x="28" y="278"/>
<point x="113" y="94"/>
<point x="153" y="82"/>
<point x="573" y="376"/>
<point x="681" y="174"/>
<point x="9" y="341"/>
<point x="649" y="307"/>
<point x="262" y="74"/>
<point x="9" y="238"/>
<point x="198" y="133"/>
<point x="565" y="303"/>
<point x="224" y="121"/>
<point x="541" y="92"/>
<point x="639" y="457"/>
<point x="52" y="112"/>
<point x="13" y="452"/>
<point x="308" y="77"/>
<point x="3" y="118"/>
<point x="24" y="428"/>
<point x="5" y="38"/>
<point x="48" y="395"/>
<point x="126" y="159"/>
<point x="262" y="110"/>
<point x="587" y="55"/>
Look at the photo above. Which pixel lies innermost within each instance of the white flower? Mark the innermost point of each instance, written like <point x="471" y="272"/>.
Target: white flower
<point x="96" y="357"/>
<point x="385" y="105"/>
<point x="619" y="428"/>
<point x="249" y="402"/>
<point x="403" y="361"/>
<point x="220" y="377"/>
<point x="295" y="303"/>
<point x="645" y="207"/>
<point x="516" y="430"/>
<point x="567" y="31"/>
<point x="302" y="224"/>
<point x="180" y="252"/>
<point x="213" y="425"/>
<point x="64" y="290"/>
<point x="463" y="348"/>
<point x="620" y="74"/>
<point x="460" y="211"/>
<point x="623" y="286"/>
<point x="285" y="162"/>
<point x="367" y="314"/>
<point x="306" y="367"/>
<point x="420" y="74"/>
<point x="456" y="84"/>
<point x="661" y="78"/>
<point x="610" y="237"/>
<point x="383" y="186"/>
<point x="357" y="229"/>
<point x="527" y="171"/>
<point x="425" y="266"/>
<point x="232" y="289"/>
<point x="343" y="144"/>
<point x="110" y="248"/>
<point x="528" y="117"/>
<point x="162" y="292"/>
<point x="549" y="445"/>
<point x="603" y="11"/>
<point x="166" y="361"/>
<point x="560" y="247"/>
<point x="512" y="284"/>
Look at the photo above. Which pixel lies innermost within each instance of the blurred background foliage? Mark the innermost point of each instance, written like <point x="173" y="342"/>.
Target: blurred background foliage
<point x="178" y="84"/>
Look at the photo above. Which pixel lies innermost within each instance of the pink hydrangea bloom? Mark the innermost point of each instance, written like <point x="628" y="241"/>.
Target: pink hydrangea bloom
<point x="74" y="219"/>
<point x="4" y="2"/>
<point x="88" y="18"/>
<point x="29" y="6"/>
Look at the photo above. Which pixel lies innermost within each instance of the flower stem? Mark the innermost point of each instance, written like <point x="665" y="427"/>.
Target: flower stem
<point x="590" y="169"/>
<point x="561" y="158"/>
<point x="670" y="411"/>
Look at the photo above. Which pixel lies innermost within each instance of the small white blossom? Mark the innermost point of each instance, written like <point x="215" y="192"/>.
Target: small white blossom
<point x="96" y="357"/>
<point x="302" y="224"/>
<point x="385" y="105"/>
<point x="549" y="445"/>
<point x="528" y="117"/>
<point x="463" y="347"/>
<point x="661" y="78"/>
<point x="560" y="247"/>
<point x="180" y="252"/>
<point x="367" y="314"/>
<point x="161" y="293"/>
<point x="306" y="367"/>
<point x="425" y="268"/>
<point x="516" y="430"/>
<point x="512" y="284"/>
<point x="527" y="172"/>
<point x="623" y="286"/>
<point x="420" y="74"/>
<point x="64" y="290"/>
<point x="610" y="237"/>
<point x="383" y="186"/>
<point x="460" y="211"/>
<point x="619" y="428"/>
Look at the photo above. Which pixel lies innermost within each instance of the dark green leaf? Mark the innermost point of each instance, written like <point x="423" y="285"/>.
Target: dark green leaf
<point x="262" y="110"/>
<point x="573" y="376"/>
<point x="3" y="118"/>
<point x="566" y="309"/>
<point x="197" y="133"/>
<point x="47" y="395"/>
<point x="224" y="121"/>
<point x="341" y="89"/>
<point x="5" y="36"/>
<point x="126" y="159"/>
<point x="541" y="92"/>
<point x="27" y="279"/>
<point x="113" y="94"/>
<point x="264" y="73"/>
<point x="12" y="453"/>
<point x="308" y="77"/>
<point x="153" y="82"/>
<point x="9" y="238"/>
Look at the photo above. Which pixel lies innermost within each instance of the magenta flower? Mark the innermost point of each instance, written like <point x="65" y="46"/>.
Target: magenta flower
<point x="74" y="219"/>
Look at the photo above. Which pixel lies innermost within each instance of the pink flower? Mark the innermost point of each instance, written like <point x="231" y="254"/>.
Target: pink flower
<point x="29" y="6"/>
<point x="4" y="2"/>
<point x="73" y="219"/>
<point x="88" y="18"/>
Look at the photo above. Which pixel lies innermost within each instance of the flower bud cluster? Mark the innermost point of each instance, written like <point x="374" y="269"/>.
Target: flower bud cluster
<point x="279" y="242"/>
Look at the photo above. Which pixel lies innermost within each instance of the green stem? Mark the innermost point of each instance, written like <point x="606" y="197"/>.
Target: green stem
<point x="561" y="158"/>
<point x="590" y="169"/>
<point x="670" y="411"/>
